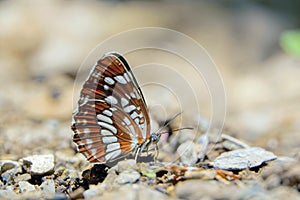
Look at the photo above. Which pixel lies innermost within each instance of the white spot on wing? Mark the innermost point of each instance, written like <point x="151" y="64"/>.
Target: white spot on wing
<point x="109" y="80"/>
<point x="130" y="108"/>
<point x="134" y="115"/>
<point x="93" y="152"/>
<point x="124" y="102"/>
<point x="106" y="87"/>
<point x="111" y="100"/>
<point x="107" y="113"/>
<point x="112" y="147"/>
<point x="105" y="132"/>
<point x="132" y="95"/>
<point x="108" y="126"/>
<point x="86" y="130"/>
<point x="89" y="141"/>
<point x="112" y="109"/>
<point x="127" y="121"/>
<point x="108" y="140"/>
<point x="126" y="77"/>
<point x="120" y="79"/>
<point x="113" y="154"/>
<point x="104" y="118"/>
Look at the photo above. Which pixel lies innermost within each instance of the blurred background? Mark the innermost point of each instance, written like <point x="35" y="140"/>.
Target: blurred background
<point x="255" y="45"/>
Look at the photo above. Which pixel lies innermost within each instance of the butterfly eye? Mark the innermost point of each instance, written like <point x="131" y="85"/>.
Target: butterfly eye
<point x="155" y="137"/>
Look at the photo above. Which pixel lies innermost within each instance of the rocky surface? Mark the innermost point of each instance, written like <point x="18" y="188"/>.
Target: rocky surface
<point x="243" y="158"/>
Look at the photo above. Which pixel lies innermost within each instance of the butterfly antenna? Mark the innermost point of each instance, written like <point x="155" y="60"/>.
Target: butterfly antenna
<point x="168" y="122"/>
<point x="178" y="129"/>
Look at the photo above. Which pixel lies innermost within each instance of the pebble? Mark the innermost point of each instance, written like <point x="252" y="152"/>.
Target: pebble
<point x="22" y="177"/>
<point x="9" y="169"/>
<point x="292" y="176"/>
<point x="202" y="174"/>
<point x="187" y="153"/>
<point x="278" y="166"/>
<point x="26" y="187"/>
<point x="197" y="189"/>
<point x="8" y="194"/>
<point x="135" y="191"/>
<point x="243" y="158"/>
<point x="39" y="164"/>
<point x="272" y="181"/>
<point x="128" y="176"/>
<point x="202" y="146"/>
<point x="95" y="190"/>
<point x="126" y="164"/>
<point x="7" y="165"/>
<point x="48" y="186"/>
<point x="284" y="192"/>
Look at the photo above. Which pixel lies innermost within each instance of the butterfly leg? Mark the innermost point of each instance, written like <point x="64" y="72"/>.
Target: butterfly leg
<point x="156" y="152"/>
<point x="137" y="154"/>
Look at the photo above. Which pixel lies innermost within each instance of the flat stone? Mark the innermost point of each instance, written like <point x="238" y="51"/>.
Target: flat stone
<point x="26" y="187"/>
<point x="243" y="158"/>
<point x="187" y="153"/>
<point x="129" y="176"/>
<point x="39" y="164"/>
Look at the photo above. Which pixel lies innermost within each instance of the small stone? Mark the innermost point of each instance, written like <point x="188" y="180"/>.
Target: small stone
<point x="26" y="187"/>
<point x="126" y="165"/>
<point x="95" y="190"/>
<point x="187" y="153"/>
<point x="134" y="191"/>
<point x="129" y="176"/>
<point x="272" y="181"/>
<point x="8" y="194"/>
<point x="22" y="177"/>
<point x="203" y="174"/>
<point x="202" y="146"/>
<point x="284" y="192"/>
<point x="48" y="186"/>
<point x="7" y="165"/>
<point x="243" y="158"/>
<point x="9" y="169"/>
<point x="197" y="189"/>
<point x="278" y="166"/>
<point x="39" y="164"/>
<point x="292" y="176"/>
<point x="77" y="194"/>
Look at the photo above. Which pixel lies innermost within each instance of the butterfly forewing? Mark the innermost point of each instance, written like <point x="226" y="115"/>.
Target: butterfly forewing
<point x="111" y="119"/>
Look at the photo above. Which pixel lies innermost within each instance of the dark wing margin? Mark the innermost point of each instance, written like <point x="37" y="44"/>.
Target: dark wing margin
<point x="128" y="69"/>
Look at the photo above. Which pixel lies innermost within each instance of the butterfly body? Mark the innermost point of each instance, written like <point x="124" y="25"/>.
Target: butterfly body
<point x="111" y="120"/>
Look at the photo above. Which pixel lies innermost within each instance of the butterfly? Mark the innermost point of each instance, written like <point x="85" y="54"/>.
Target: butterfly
<point x="111" y="120"/>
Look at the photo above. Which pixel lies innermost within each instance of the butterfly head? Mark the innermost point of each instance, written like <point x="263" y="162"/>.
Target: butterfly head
<point x="154" y="137"/>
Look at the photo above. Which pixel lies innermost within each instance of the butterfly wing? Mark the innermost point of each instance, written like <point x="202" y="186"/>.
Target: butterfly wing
<point x="111" y="119"/>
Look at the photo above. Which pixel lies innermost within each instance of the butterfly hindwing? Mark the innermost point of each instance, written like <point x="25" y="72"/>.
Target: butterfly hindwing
<point x="111" y="118"/>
